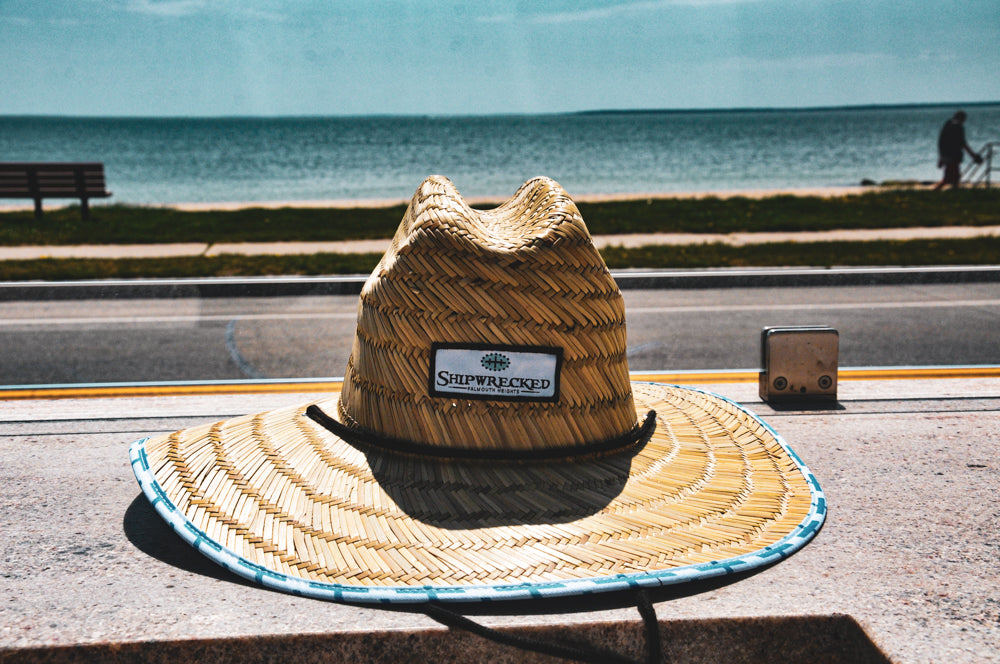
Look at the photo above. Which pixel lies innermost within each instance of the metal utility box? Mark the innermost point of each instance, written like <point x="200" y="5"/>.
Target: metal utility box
<point x="798" y="361"/>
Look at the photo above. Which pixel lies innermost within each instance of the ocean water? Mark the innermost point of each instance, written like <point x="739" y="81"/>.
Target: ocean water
<point x="162" y="161"/>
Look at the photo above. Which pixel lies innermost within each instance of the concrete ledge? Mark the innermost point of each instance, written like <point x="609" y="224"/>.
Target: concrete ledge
<point x="908" y="555"/>
<point x="626" y="279"/>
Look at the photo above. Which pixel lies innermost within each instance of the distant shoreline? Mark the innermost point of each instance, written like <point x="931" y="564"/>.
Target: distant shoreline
<point x="789" y="109"/>
<point x="343" y="203"/>
<point x="823" y="192"/>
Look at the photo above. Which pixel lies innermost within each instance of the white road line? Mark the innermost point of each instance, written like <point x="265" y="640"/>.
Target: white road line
<point x="189" y="318"/>
<point x="319" y="315"/>
<point x="812" y="306"/>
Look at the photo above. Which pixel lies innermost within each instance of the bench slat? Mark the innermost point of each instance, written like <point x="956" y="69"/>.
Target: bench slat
<point x="38" y="180"/>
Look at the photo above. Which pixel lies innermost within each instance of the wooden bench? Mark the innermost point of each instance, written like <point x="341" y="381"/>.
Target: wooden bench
<point x="83" y="180"/>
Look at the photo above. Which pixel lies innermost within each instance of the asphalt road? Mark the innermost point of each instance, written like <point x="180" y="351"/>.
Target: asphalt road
<point x="191" y="339"/>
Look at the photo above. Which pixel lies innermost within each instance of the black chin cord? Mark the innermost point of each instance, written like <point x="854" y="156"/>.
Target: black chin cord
<point x="654" y="649"/>
<point x="566" y="651"/>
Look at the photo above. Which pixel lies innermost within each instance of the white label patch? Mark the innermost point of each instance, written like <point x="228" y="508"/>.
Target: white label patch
<point x="500" y="373"/>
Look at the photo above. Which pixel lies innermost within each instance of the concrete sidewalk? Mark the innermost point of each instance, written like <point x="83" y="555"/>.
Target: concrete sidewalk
<point x="905" y="568"/>
<point x="379" y="246"/>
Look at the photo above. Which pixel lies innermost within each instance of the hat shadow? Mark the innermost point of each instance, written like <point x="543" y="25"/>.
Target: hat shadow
<point x="149" y="533"/>
<point x="153" y="536"/>
<point x="467" y="495"/>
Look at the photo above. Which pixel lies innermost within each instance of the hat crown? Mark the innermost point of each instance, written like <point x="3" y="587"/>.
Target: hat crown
<point x="492" y="329"/>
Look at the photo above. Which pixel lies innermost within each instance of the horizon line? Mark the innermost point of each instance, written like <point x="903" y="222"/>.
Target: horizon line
<point x="606" y="111"/>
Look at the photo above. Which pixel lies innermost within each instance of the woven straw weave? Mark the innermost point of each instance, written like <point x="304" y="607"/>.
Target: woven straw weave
<point x="317" y="506"/>
<point x="525" y="273"/>
<point x="283" y="492"/>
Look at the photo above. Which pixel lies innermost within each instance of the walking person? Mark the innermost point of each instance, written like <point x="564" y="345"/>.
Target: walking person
<point x="951" y="144"/>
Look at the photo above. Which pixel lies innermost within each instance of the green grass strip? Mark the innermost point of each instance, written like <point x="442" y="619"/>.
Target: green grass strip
<point x="976" y="251"/>
<point x="117" y="224"/>
<point x="787" y="213"/>
<point x="972" y="251"/>
<point x="228" y="265"/>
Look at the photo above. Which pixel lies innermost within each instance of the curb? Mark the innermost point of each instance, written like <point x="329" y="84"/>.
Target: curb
<point x="806" y="276"/>
<point x="627" y="280"/>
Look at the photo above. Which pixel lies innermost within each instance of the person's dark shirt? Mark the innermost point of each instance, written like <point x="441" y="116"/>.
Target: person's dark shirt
<point x="951" y="141"/>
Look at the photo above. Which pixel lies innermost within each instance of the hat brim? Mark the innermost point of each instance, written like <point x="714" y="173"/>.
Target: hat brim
<point x="280" y="500"/>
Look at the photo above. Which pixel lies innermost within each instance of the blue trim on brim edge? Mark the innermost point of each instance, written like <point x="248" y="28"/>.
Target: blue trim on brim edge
<point x="252" y="571"/>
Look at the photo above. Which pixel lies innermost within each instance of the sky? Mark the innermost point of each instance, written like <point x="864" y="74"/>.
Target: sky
<point x="460" y="57"/>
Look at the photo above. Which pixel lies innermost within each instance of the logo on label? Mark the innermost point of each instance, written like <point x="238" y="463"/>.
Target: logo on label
<point x="495" y="361"/>
<point x="500" y="373"/>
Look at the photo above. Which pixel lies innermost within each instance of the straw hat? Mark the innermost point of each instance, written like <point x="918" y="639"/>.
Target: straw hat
<point x="487" y="442"/>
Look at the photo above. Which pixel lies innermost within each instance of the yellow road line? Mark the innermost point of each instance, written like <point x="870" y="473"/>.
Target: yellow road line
<point x="914" y="373"/>
<point x="154" y="390"/>
<point x="697" y="378"/>
<point x="685" y="378"/>
<point x="877" y="373"/>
